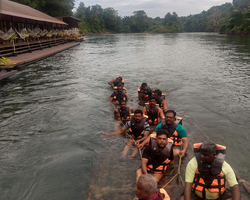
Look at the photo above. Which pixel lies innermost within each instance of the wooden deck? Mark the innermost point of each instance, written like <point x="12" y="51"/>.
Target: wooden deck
<point x="5" y="74"/>
<point x="26" y="58"/>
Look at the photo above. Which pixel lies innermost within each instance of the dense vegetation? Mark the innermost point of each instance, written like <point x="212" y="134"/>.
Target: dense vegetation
<point x="228" y="18"/>
<point x="53" y="8"/>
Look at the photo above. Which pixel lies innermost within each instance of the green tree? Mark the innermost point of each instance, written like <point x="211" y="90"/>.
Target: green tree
<point x="139" y="21"/>
<point x="53" y="8"/>
<point x="110" y="17"/>
<point x="241" y="3"/>
<point x="80" y="14"/>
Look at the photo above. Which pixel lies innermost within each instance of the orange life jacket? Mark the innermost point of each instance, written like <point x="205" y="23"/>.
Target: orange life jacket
<point x="159" y="166"/>
<point x="124" y="114"/>
<point x="117" y="83"/>
<point x="147" y="92"/>
<point x="173" y="135"/>
<point x="210" y="177"/>
<point x="153" y="117"/>
<point x="118" y="97"/>
<point x="137" y="131"/>
<point x="159" y="101"/>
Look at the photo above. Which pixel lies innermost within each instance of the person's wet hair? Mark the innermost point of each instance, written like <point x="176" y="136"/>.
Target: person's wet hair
<point x="149" y="183"/>
<point x="144" y="85"/>
<point x="151" y="97"/>
<point x="120" y="102"/>
<point x="209" y="147"/>
<point x="162" y="132"/>
<point x="119" y="85"/>
<point x="171" y="111"/>
<point x="138" y="111"/>
<point x="159" y="92"/>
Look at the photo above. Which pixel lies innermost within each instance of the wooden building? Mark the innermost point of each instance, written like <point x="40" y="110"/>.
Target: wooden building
<point x="71" y="21"/>
<point x="19" y="16"/>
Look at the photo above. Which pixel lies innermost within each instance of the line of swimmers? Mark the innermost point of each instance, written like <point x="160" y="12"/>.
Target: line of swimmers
<point x="160" y="134"/>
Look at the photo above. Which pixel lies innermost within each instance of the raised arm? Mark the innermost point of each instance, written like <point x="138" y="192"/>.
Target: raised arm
<point x="145" y="136"/>
<point x="165" y="105"/>
<point x="111" y="82"/>
<point x="117" y="114"/>
<point x="144" y="162"/>
<point x="144" y="111"/>
<point x="184" y="147"/>
<point x="120" y="131"/>
<point x="160" y="113"/>
<point x="144" y="142"/>
<point x="131" y="111"/>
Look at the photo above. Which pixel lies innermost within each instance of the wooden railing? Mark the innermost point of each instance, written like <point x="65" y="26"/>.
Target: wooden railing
<point x="23" y="47"/>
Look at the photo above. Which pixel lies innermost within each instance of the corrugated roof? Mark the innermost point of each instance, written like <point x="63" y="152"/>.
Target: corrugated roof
<point x="19" y="10"/>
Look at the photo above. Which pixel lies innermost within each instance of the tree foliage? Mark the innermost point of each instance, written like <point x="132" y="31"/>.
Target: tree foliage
<point x="229" y="17"/>
<point x="53" y="8"/>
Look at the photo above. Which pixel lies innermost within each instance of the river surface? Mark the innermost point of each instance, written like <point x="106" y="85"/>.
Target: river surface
<point x="53" y="112"/>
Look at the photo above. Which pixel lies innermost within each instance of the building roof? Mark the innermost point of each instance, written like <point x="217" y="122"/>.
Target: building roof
<point x="69" y="17"/>
<point x="19" y="10"/>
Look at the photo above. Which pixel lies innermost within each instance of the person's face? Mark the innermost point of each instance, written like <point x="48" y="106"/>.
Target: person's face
<point x="145" y="88"/>
<point x="123" y="105"/>
<point x="207" y="157"/>
<point x="156" y="95"/>
<point x="162" y="140"/>
<point x="139" y="191"/>
<point x="119" y="90"/>
<point x="138" y="117"/>
<point x="170" y="118"/>
<point x="119" y="80"/>
<point x="152" y="103"/>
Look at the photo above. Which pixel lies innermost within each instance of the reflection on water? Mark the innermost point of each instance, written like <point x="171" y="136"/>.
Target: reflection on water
<point x="54" y="111"/>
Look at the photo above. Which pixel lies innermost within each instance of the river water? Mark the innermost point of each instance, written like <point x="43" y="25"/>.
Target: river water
<point x="54" y="111"/>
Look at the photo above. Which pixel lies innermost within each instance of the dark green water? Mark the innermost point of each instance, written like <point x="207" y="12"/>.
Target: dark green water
<point x="54" y="111"/>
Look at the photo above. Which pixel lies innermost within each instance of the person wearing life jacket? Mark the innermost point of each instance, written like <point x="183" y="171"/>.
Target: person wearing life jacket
<point x="157" y="156"/>
<point x="124" y="89"/>
<point x="154" y="113"/>
<point x="123" y="113"/>
<point x="138" y="130"/>
<point x="207" y="174"/>
<point x="176" y="131"/>
<point x="116" y="82"/>
<point x="146" y="189"/>
<point x="117" y="96"/>
<point x="160" y="100"/>
<point x="144" y="91"/>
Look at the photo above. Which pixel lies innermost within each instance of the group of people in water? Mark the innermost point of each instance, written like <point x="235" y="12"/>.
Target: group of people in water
<point x="157" y="133"/>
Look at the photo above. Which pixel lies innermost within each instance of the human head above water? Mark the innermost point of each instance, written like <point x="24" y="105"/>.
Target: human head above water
<point x="138" y="111"/>
<point x="162" y="132"/>
<point x="170" y="117"/>
<point x="146" y="186"/>
<point x="122" y="104"/>
<point x="158" y="92"/>
<point x="171" y="111"/>
<point x="208" y="147"/>
<point x="144" y="85"/>
<point x="119" y="78"/>
<point x="138" y="115"/>
<point x="119" y="89"/>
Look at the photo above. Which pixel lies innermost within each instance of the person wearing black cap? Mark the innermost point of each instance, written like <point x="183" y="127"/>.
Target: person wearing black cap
<point x="207" y="174"/>
<point x="144" y="91"/>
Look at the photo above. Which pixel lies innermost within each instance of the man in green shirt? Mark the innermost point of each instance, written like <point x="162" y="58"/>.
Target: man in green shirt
<point x="177" y="133"/>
